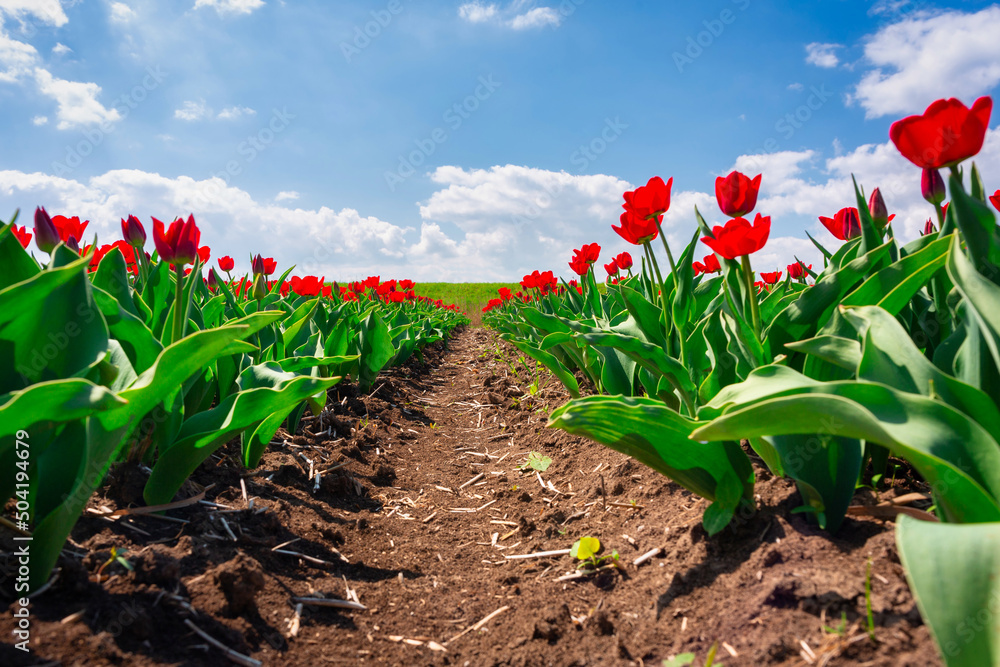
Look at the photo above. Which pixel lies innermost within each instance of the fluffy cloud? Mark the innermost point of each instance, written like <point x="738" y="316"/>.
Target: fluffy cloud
<point x="917" y="58"/>
<point x="47" y="11"/>
<point x="234" y="113"/>
<point x="77" y="101"/>
<point x="61" y="49"/>
<point x="17" y="58"/>
<point x="121" y="13"/>
<point x="230" y="7"/>
<point x="341" y="244"/>
<point x="822" y="55"/>
<point x="286" y="195"/>
<point x="192" y="110"/>
<point x="517" y="15"/>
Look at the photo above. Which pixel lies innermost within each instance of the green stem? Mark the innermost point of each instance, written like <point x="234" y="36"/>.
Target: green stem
<point x="666" y="246"/>
<point x="178" y="294"/>
<point x="752" y="294"/>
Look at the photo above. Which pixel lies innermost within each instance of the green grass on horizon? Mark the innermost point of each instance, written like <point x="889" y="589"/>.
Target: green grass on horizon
<point x="470" y="297"/>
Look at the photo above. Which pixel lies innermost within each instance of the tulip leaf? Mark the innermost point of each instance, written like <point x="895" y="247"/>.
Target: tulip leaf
<point x="979" y="229"/>
<point x="894" y="286"/>
<point x="17" y="264"/>
<point x="658" y="437"/>
<point x="954" y="573"/>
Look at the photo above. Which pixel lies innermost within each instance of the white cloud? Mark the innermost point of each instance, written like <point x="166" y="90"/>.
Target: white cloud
<point x="286" y="195"/>
<point x="822" y="55"/>
<point x="78" y="105"/>
<point x="796" y="87"/>
<point x="39" y="120"/>
<point x="121" y="13"/>
<point x="536" y="18"/>
<point x="339" y="244"/>
<point x="929" y="56"/>
<point x="61" y="49"/>
<point x="47" y="11"/>
<point x="233" y="7"/>
<point x="517" y="15"/>
<point x="192" y="110"/>
<point x="234" y="113"/>
<point x="16" y="58"/>
<point x="476" y="12"/>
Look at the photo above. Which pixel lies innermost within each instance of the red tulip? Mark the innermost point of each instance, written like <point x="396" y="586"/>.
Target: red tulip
<point x="588" y="253"/>
<point x="947" y="133"/>
<point x="929" y="228"/>
<point x="710" y="264"/>
<point x="213" y="283"/>
<point x="846" y="224"/>
<point x="23" y="237"/>
<point x="179" y="244"/>
<point x="771" y="278"/>
<point x="257" y="265"/>
<point x="995" y="200"/>
<point x="406" y="285"/>
<point x="797" y="271"/>
<point x="127" y="251"/>
<point x="308" y="286"/>
<point x="133" y="232"/>
<point x="270" y="265"/>
<point x="579" y="267"/>
<point x="624" y="260"/>
<point x="226" y="263"/>
<point x="204" y="254"/>
<point x="650" y="200"/>
<point x="611" y="268"/>
<point x="737" y="194"/>
<point x="738" y="237"/>
<point x="932" y="186"/>
<point x="878" y="209"/>
<point x="46" y="234"/>
<point x="69" y="228"/>
<point x="636" y="230"/>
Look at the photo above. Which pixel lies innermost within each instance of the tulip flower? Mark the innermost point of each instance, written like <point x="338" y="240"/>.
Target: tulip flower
<point x="932" y="186"/>
<point x="651" y="200"/>
<point x="878" y="209"/>
<point x="179" y="243"/>
<point x="928" y="228"/>
<point x="710" y="264"/>
<point x="133" y="232"/>
<point x="406" y="285"/>
<point x="257" y="265"/>
<point x="270" y="265"/>
<point x="995" y="200"/>
<point x="46" y="234"/>
<point x="797" y="271"/>
<point x="636" y="230"/>
<point x="308" y="286"/>
<point x="624" y="260"/>
<point x="737" y="194"/>
<point x="204" y="254"/>
<point x="70" y="228"/>
<point x="579" y="267"/>
<point x="845" y="225"/>
<point x="771" y="278"/>
<point x="213" y="283"/>
<point x="22" y="235"/>
<point x="947" y="133"/>
<point x="612" y="268"/>
<point x="226" y="263"/>
<point x="738" y="238"/>
<point x="588" y="253"/>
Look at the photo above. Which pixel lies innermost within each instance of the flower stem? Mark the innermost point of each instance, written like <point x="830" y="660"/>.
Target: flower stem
<point x="666" y="246"/>
<point x="752" y="294"/>
<point x="178" y="294"/>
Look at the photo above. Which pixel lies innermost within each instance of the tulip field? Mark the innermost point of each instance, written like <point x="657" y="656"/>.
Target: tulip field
<point x="868" y="386"/>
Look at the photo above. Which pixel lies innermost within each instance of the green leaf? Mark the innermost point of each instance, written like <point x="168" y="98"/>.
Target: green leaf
<point x="55" y="401"/>
<point x="272" y="391"/>
<point x="954" y="573"/>
<point x="585" y="548"/>
<point x="657" y="437"/>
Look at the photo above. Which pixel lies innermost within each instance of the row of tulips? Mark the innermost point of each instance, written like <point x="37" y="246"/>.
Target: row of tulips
<point x="160" y="366"/>
<point x="890" y="349"/>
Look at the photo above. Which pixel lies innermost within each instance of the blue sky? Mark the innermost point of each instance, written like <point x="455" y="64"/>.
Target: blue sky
<point x="457" y="140"/>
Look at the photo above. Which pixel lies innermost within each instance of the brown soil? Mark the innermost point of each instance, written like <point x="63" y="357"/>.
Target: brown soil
<point x="399" y="525"/>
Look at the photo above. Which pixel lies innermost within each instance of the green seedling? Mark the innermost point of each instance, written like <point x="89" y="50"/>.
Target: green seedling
<point x="537" y="462"/>
<point x="585" y="550"/>
<point x="686" y="659"/>
<point x="117" y="555"/>
<point x="841" y="629"/>
<point x="868" y="600"/>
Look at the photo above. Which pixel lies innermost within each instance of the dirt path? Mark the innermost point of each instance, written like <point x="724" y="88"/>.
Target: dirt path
<point x="418" y="508"/>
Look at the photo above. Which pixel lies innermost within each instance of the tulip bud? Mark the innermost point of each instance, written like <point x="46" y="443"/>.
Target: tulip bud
<point x="257" y="265"/>
<point x="932" y="186"/>
<point x="46" y="234"/>
<point x="880" y="214"/>
<point x="928" y="228"/>
<point x="73" y="245"/>
<point x="213" y="284"/>
<point x="133" y="232"/>
<point x="260" y="287"/>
